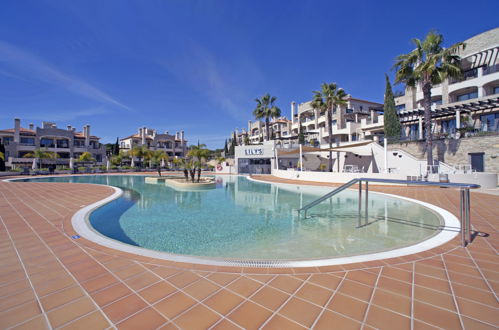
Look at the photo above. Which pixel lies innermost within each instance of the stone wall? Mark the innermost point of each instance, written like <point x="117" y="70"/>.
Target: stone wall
<point x="455" y="152"/>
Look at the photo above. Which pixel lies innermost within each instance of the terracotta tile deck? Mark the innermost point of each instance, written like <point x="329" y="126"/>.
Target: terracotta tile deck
<point x="49" y="280"/>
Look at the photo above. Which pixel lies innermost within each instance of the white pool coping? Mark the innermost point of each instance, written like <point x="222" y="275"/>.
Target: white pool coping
<point x="81" y="225"/>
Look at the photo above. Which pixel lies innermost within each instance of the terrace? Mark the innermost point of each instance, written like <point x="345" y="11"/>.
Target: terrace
<point x="53" y="279"/>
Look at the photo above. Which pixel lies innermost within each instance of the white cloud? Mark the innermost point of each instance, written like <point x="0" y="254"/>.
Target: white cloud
<point x="30" y="66"/>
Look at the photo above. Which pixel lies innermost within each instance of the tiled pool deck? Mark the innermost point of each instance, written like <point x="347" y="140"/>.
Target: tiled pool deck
<point x="49" y="280"/>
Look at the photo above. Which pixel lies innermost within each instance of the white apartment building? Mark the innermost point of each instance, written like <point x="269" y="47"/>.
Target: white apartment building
<point x="459" y="107"/>
<point x="67" y="143"/>
<point x="354" y="121"/>
<point x="173" y="145"/>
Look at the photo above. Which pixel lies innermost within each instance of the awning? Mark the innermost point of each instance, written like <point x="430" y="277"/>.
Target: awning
<point x="361" y="149"/>
<point x="297" y="151"/>
<point x="487" y="57"/>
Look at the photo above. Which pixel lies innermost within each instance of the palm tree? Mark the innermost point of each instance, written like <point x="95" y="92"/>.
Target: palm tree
<point x="141" y="152"/>
<point x="86" y="157"/>
<point x="199" y="155"/>
<point x="328" y="98"/>
<point x="2" y="157"/>
<point x="265" y="109"/>
<point x="428" y="64"/>
<point x="41" y="154"/>
<point x="156" y="157"/>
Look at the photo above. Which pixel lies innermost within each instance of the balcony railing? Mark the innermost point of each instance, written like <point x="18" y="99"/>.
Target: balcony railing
<point x="469" y="74"/>
<point x="490" y="69"/>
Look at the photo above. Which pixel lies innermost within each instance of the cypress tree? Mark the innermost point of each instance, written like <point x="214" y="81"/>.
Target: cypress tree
<point x="2" y="161"/>
<point x="392" y="123"/>
<point x="116" y="149"/>
<point x="226" y="149"/>
<point x="301" y="135"/>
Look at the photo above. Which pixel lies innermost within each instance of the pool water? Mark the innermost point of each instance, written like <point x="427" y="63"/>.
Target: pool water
<point x="246" y="219"/>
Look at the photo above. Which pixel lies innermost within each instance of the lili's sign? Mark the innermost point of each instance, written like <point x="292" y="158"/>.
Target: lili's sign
<point x="253" y="152"/>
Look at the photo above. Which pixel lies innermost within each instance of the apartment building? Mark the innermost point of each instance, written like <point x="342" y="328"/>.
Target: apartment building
<point x="174" y="145"/>
<point x="347" y="121"/>
<point x="67" y="143"/>
<point x="459" y="107"/>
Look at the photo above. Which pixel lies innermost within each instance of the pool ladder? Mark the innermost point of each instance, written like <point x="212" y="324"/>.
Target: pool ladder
<point x="466" y="233"/>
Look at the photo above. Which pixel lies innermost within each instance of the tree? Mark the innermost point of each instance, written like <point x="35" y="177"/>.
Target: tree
<point x="392" y="122"/>
<point x="428" y="64"/>
<point x="226" y="149"/>
<point x="157" y="157"/>
<point x="246" y="140"/>
<point x="86" y="157"/>
<point x="301" y="135"/>
<point x="232" y="148"/>
<point x="41" y="154"/>
<point x="265" y="109"/>
<point x="116" y="149"/>
<point x="199" y="154"/>
<point x="2" y="156"/>
<point x="141" y="152"/>
<point x="328" y="98"/>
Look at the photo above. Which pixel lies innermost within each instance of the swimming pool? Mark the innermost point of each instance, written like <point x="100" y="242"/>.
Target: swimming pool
<point x="243" y="219"/>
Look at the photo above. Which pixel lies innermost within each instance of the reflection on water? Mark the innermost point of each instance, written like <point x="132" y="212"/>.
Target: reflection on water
<point x="246" y="219"/>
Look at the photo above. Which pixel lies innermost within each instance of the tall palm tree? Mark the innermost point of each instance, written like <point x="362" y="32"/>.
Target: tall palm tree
<point x="428" y="64"/>
<point x="328" y="98"/>
<point x="2" y="157"/>
<point x="265" y="109"/>
<point x="41" y="154"/>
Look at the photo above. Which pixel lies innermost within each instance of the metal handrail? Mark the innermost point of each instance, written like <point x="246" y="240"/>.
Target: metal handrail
<point x="328" y="195"/>
<point x="464" y="199"/>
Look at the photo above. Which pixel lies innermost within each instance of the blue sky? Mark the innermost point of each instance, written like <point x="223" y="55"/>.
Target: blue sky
<point x="199" y="65"/>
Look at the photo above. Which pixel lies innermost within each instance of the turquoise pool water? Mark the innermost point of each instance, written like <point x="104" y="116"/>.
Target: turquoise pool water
<point x="246" y="219"/>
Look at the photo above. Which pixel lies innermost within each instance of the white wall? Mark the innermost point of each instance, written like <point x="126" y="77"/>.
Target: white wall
<point x="485" y="180"/>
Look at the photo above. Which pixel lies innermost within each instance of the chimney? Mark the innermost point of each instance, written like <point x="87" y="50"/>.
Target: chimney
<point x="17" y="130"/>
<point x="167" y="133"/>
<point x="31" y="126"/>
<point x="86" y="134"/>
<point x="140" y="131"/>
<point x="143" y="135"/>
<point x="182" y="138"/>
<point x="293" y="108"/>
<point x="70" y="128"/>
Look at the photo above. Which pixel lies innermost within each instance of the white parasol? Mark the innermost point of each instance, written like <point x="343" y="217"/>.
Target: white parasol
<point x="163" y="162"/>
<point x="71" y="163"/>
<point x="132" y="164"/>
<point x="108" y="164"/>
<point x="34" y="164"/>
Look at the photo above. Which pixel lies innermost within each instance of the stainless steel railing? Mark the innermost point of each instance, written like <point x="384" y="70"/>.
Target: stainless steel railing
<point x="466" y="234"/>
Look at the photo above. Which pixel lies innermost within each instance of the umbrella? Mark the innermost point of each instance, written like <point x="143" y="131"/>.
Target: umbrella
<point x="71" y="163"/>
<point x="132" y="164"/>
<point x="34" y="164"/>
<point x="163" y="162"/>
<point x="108" y="164"/>
<point x="150" y="163"/>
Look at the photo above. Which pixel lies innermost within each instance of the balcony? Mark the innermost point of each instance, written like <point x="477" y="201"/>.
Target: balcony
<point x="467" y="75"/>
<point x="490" y="69"/>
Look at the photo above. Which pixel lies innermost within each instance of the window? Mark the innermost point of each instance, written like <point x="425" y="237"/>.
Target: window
<point x="79" y="143"/>
<point x="7" y="139"/>
<point x="28" y="141"/>
<point x="448" y="126"/>
<point x="62" y="144"/>
<point x="490" y="122"/>
<point x="467" y="96"/>
<point x="400" y="107"/>
<point x="495" y="90"/>
<point x="334" y="122"/>
<point x="47" y="143"/>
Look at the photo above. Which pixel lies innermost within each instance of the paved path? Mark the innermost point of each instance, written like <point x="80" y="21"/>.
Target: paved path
<point x="49" y="280"/>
